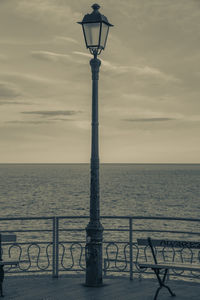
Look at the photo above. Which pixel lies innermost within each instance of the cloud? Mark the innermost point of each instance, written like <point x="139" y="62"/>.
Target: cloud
<point x="17" y="42"/>
<point x="8" y="91"/>
<point x="51" y="56"/>
<point x="149" y="120"/>
<point x="13" y="102"/>
<point x="38" y="122"/>
<point x="61" y="119"/>
<point x="150" y="71"/>
<point x="52" y="113"/>
<point x="55" y="11"/>
<point x="27" y="77"/>
<point x="146" y="71"/>
<point x="82" y="53"/>
<point x="28" y="122"/>
<point x="66" y="39"/>
<point x="136" y="70"/>
<point x="32" y="88"/>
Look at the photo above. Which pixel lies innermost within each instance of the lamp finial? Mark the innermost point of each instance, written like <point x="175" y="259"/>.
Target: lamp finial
<point x="95" y="7"/>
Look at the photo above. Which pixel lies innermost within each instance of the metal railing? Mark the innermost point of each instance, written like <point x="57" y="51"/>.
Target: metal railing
<point x="56" y="245"/>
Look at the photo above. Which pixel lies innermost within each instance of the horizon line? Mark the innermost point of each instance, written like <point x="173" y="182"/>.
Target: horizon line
<point x="88" y="163"/>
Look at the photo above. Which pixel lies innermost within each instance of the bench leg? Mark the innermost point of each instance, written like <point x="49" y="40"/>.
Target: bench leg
<point x="1" y="280"/>
<point x="162" y="283"/>
<point x="156" y="294"/>
<point x="1" y="290"/>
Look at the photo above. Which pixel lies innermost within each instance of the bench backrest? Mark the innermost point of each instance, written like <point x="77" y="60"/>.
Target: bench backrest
<point x="8" y="238"/>
<point x="169" y="243"/>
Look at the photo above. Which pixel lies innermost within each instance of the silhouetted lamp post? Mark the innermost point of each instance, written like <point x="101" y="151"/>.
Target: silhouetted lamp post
<point x="95" y="29"/>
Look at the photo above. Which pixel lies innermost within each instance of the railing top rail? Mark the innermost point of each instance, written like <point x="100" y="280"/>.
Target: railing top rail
<point x="102" y="217"/>
<point x="165" y="218"/>
<point x="25" y="218"/>
<point x="136" y="218"/>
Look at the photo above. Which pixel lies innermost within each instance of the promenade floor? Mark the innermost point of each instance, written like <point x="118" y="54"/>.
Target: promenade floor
<point x="72" y="288"/>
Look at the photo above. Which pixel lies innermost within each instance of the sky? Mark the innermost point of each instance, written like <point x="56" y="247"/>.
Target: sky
<point x="149" y="91"/>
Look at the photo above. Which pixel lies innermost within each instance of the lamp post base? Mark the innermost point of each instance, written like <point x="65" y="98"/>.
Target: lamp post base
<point x="95" y="285"/>
<point x="94" y="255"/>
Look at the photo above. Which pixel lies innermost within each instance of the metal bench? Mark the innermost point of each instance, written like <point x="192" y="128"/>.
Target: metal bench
<point x="5" y="238"/>
<point x="166" y="266"/>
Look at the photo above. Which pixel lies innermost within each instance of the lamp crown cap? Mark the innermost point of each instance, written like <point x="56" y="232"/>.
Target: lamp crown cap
<point x="95" y="17"/>
<point x="95" y="6"/>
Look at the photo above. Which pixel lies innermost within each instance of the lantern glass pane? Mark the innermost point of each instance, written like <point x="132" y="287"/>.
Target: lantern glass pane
<point x="104" y="34"/>
<point x="92" y="34"/>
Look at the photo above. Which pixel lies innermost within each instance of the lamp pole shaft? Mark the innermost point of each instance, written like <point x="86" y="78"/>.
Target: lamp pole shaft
<point x="94" y="229"/>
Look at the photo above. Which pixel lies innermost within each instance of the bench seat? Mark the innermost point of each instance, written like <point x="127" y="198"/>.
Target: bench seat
<point x="175" y="266"/>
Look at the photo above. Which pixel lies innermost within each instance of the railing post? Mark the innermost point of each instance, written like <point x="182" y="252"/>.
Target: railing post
<point x="55" y="268"/>
<point x="131" y="246"/>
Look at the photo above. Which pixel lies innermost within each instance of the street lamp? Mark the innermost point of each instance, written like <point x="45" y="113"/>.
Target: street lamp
<point x="95" y="29"/>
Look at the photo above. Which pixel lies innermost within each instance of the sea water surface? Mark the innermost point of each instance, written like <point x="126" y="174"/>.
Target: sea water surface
<point x="171" y="190"/>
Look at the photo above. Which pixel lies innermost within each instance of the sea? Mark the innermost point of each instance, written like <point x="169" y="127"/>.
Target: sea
<point x="169" y="190"/>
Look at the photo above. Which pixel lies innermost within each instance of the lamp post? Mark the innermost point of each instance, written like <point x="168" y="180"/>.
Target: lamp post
<point x="95" y="29"/>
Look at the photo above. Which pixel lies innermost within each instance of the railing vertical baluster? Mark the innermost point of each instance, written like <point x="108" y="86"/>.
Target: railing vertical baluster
<point x="55" y="260"/>
<point x="57" y="248"/>
<point x="131" y="246"/>
<point x="104" y="269"/>
<point x="54" y="246"/>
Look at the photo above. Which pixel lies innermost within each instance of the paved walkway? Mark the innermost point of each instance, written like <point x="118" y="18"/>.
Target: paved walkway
<point x="72" y="288"/>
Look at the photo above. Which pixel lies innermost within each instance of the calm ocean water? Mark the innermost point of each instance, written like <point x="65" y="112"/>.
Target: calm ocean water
<point x="125" y="189"/>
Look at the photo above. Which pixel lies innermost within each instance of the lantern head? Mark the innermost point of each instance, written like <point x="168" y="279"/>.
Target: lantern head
<point x="95" y="29"/>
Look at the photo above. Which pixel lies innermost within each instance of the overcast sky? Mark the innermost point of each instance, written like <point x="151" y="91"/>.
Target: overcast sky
<point x="149" y="87"/>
